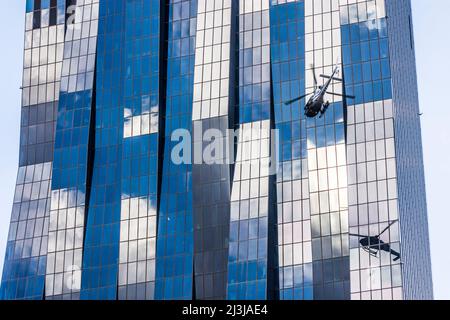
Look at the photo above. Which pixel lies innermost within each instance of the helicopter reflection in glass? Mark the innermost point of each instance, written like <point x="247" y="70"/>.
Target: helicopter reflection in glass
<point x="316" y="103"/>
<point x="373" y="244"/>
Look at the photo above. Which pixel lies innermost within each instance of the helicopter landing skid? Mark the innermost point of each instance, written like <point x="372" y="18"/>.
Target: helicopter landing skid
<point x="373" y="253"/>
<point x="324" y="109"/>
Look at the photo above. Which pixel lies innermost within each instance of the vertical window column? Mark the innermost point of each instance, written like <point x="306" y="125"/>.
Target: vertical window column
<point x="28" y="235"/>
<point x="372" y="163"/>
<point x="287" y="29"/>
<point x="101" y="245"/>
<point x="69" y="184"/>
<point x="140" y="159"/>
<point x="251" y="201"/>
<point x="175" y="244"/>
<point x="326" y="156"/>
<point x="213" y="97"/>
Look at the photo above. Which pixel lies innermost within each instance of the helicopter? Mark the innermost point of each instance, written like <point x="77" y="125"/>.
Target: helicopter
<point x="373" y="244"/>
<point x="316" y="103"/>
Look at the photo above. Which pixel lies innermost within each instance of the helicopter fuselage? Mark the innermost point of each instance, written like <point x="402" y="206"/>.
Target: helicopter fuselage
<point x="375" y="243"/>
<point x="315" y="104"/>
<point x="371" y="241"/>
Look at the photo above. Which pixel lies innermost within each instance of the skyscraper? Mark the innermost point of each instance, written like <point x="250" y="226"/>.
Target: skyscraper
<point x="264" y="202"/>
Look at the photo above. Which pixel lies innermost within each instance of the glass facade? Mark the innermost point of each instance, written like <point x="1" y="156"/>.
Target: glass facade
<point x="326" y="157"/>
<point x="249" y="209"/>
<point x="212" y="101"/>
<point x="139" y="186"/>
<point x="159" y="159"/>
<point x="287" y="24"/>
<point x="100" y="250"/>
<point x="26" y="252"/>
<point x="370" y="149"/>
<point x="71" y="151"/>
<point x="175" y="245"/>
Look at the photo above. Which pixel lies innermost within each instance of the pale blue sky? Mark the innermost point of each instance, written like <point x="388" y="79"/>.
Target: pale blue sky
<point x="433" y="66"/>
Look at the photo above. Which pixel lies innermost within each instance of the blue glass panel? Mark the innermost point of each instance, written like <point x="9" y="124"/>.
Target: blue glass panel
<point x="30" y="5"/>
<point x="45" y="4"/>
<point x="288" y="74"/>
<point x="101" y="249"/>
<point x="362" y="80"/>
<point x="175" y="227"/>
